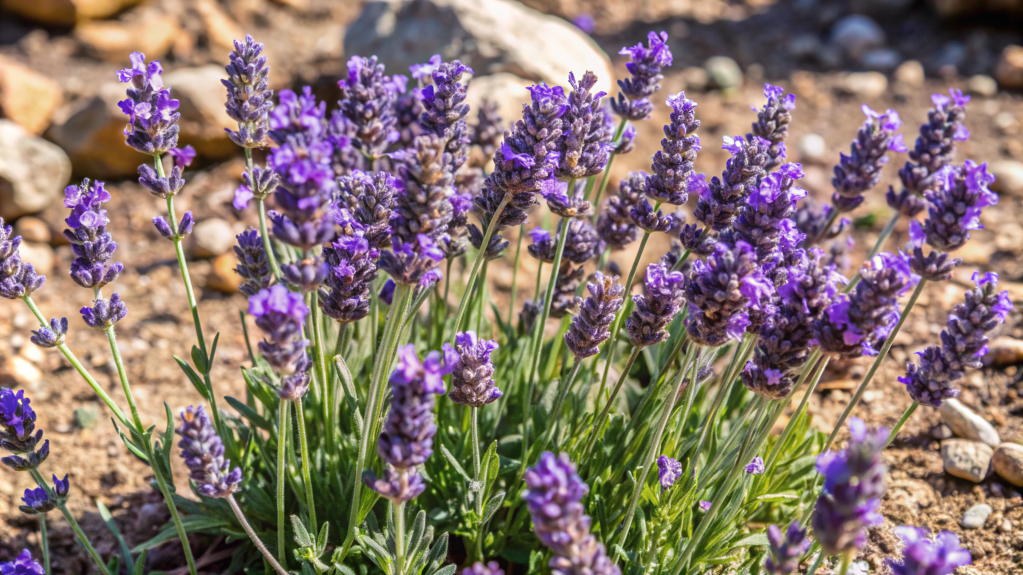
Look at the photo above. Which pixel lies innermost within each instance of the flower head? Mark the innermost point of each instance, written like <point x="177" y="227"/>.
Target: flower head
<point x="353" y="265"/>
<point x="368" y="99"/>
<point x="92" y="243"/>
<point x="472" y="371"/>
<point x="249" y="98"/>
<point x="664" y="298"/>
<point x="773" y="122"/>
<point x="720" y="200"/>
<point x="673" y="163"/>
<point x="279" y="315"/>
<point x="668" y="471"/>
<point x="23" y="564"/>
<point x="785" y="550"/>
<point x="923" y="555"/>
<point x="37" y="501"/>
<point x="585" y="144"/>
<point x="590" y="328"/>
<point x="104" y="313"/>
<point x="203" y="452"/>
<point x="720" y="292"/>
<point x="152" y="114"/>
<point x="633" y="101"/>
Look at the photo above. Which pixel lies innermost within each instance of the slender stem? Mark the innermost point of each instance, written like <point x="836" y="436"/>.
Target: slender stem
<point x="123" y="376"/>
<point x="71" y="519"/>
<point x="168" y="497"/>
<point x="271" y="257"/>
<point x="607" y="168"/>
<point x="885" y="348"/>
<point x="843" y="569"/>
<point x="885" y="233"/>
<point x="282" y="465"/>
<point x="655" y="442"/>
<point x="306" y="464"/>
<point x="563" y="389"/>
<point x="478" y="262"/>
<point x="816" y="564"/>
<point x="330" y="399"/>
<point x="475" y="427"/>
<point x="515" y="275"/>
<point x="599" y="423"/>
<point x="481" y="286"/>
<point x="44" y="542"/>
<point x="902" y="421"/>
<point x="811" y="365"/>
<point x="252" y="535"/>
<point x="399" y="537"/>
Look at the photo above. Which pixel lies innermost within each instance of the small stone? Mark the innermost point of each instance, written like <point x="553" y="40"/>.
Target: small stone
<point x="145" y="30"/>
<point x="941" y="431"/>
<point x="66" y="12"/>
<point x="967" y="424"/>
<point x="982" y="85"/>
<point x="976" y="516"/>
<point x="1009" y="71"/>
<point x="39" y="255"/>
<point x="882" y="59"/>
<point x="966" y="459"/>
<point x="33" y="172"/>
<point x="20" y="372"/>
<point x="856" y="34"/>
<point x="1008" y="463"/>
<point x="866" y="84"/>
<point x="86" y="417"/>
<point x="695" y="78"/>
<point x="211" y="238"/>
<point x="1008" y="177"/>
<point x="92" y="134"/>
<point x="222" y="277"/>
<point x="951" y="56"/>
<point x="27" y="97"/>
<point x="910" y="73"/>
<point x="724" y="72"/>
<point x="812" y="148"/>
<point x="1005" y="351"/>
<point x="32" y="229"/>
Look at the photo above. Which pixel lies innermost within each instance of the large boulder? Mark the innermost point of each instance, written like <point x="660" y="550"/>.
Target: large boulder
<point x="33" y="172"/>
<point x="65" y="12"/>
<point x="27" y="97"/>
<point x="490" y="36"/>
<point x="148" y="31"/>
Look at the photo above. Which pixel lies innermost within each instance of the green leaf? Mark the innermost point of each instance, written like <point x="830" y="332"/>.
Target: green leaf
<point x="213" y="348"/>
<point x="108" y="520"/>
<point x="321" y="539"/>
<point x="492" y="506"/>
<point x="140" y="564"/>
<point x="453" y="462"/>
<point x="250" y="414"/>
<point x="343" y="569"/>
<point x="168" y="440"/>
<point x="193" y="377"/>
<point x="771" y="497"/>
<point x="445" y="570"/>
<point x="302" y="536"/>
<point x="439" y="550"/>
<point x="130" y="445"/>
<point x="200" y="360"/>
<point x="755" y="540"/>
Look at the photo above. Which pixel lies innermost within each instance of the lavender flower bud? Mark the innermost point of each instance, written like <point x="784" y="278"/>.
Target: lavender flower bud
<point x="52" y="336"/>
<point x="18" y="433"/>
<point x="305" y="275"/>
<point x="935" y="147"/>
<point x="565" y="301"/>
<point x="697" y="240"/>
<point x="647" y="219"/>
<point x="785" y="551"/>
<point x="664" y="298"/>
<point x="152" y="113"/>
<point x="413" y="263"/>
<point x="627" y="142"/>
<point x="560" y="203"/>
<point x="591" y="327"/>
<point x="444" y="111"/>
<point x="633" y="100"/>
<point x="424" y="206"/>
<point x="668" y="471"/>
<point x="755" y="467"/>
<point x="721" y="290"/>
<point x="104" y="313"/>
<point x="294" y="387"/>
<point x="495" y="248"/>
<point x="553" y="496"/>
<point x="963" y="343"/>
<point x="488" y="129"/>
<point x="370" y="199"/>
<point x="92" y="244"/>
<point x="543" y="246"/>
<point x="773" y="123"/>
<point x="353" y="265"/>
<point x="279" y="314"/>
<point x="853" y="487"/>
<point x="249" y="98"/>
<point x="673" y="163"/>
<point x="765" y="221"/>
<point x="585" y="143"/>
<point x="61" y="487"/>
<point x="923" y="556"/>
<point x="861" y="169"/>
<point x="583" y="243"/>
<point x="37" y="502"/>
<point x="472" y="371"/>
<point x="164" y="187"/>
<point x="367" y="102"/>
<point x="23" y="564"/>
<point x="203" y="452"/>
<point x="743" y="172"/>
<point x="812" y="218"/>
<point x="479" y="568"/>
<point x="252" y="263"/>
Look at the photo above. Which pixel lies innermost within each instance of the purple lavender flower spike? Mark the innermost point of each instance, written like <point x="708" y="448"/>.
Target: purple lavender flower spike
<point x="923" y="555"/>
<point x="673" y="163"/>
<point x="721" y="290"/>
<point x="36" y="502"/>
<point x="591" y="327"/>
<point x="615" y="223"/>
<point x="543" y="245"/>
<point x="858" y="323"/>
<point x="105" y="313"/>
<point x="565" y="301"/>
<point x="353" y="265"/>
<point x="963" y="343"/>
<point x="853" y="487"/>
<point x="184" y="227"/>
<point x="647" y="219"/>
<point x="742" y="175"/>
<point x="61" y="487"/>
<point x="812" y="218"/>
<point x="633" y="101"/>
<point x="52" y="336"/>
<point x="203" y="452"/>
<point x="413" y="263"/>
<point x="162" y="187"/>
<point x="488" y="129"/>
<point x="424" y="207"/>
<point x="585" y="144"/>
<point x="553" y="495"/>
<point x="755" y="467"/>
<point x="773" y="123"/>
<point x="152" y="114"/>
<point x="444" y="110"/>
<point x="665" y="295"/>
<point x="370" y="199"/>
<point x="252" y="266"/>
<point x="386" y="294"/>
<point x="705" y="505"/>
<point x="407" y="437"/>
<point x="249" y="97"/>
<point x="23" y="564"/>
<point x="472" y="371"/>
<point x="561" y="203"/>
<point x="279" y="314"/>
<point x="668" y="471"/>
<point x="785" y="551"/>
<point x="92" y="243"/>
<point x="861" y="169"/>
<point x="583" y="243"/>
<point x="18" y="433"/>
<point x="935" y="147"/>
<point x="367" y="102"/>
<point x="17" y="279"/>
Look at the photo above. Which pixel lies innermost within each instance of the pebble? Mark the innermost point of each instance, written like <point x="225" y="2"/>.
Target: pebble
<point x="93" y="135"/>
<point x="724" y="72"/>
<point x="976" y="516"/>
<point x="910" y="73"/>
<point x="1005" y="351"/>
<point x="32" y="229"/>
<point x="1008" y="463"/>
<point x="211" y="238"/>
<point x="982" y="85"/>
<point x="695" y="78"/>
<point x="967" y="424"/>
<point x="866" y="84"/>
<point x="21" y="371"/>
<point x="33" y="172"/>
<point x="27" y="97"/>
<point x="882" y="59"/>
<point x="222" y="277"/>
<point x="1009" y="71"/>
<point x="149" y="31"/>
<point x="1008" y="177"/>
<point x="812" y="148"/>
<point x="966" y="459"/>
<point x="941" y="431"/>
<point x="857" y="34"/>
<point x="40" y="255"/>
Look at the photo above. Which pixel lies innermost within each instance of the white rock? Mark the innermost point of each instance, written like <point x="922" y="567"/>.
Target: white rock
<point x="982" y="85"/>
<point x="32" y="229"/>
<point x="910" y="73"/>
<point x="1008" y="463"/>
<point x="1008" y="177"/>
<point x="39" y="255"/>
<point x="724" y="72"/>
<point x="812" y="148"/>
<point x="976" y="516"/>
<point x="490" y="36"/>
<point x="33" y="172"/>
<point x="1005" y="351"/>
<point x="212" y="237"/>
<point x="866" y="84"/>
<point x="21" y="371"/>
<point x="966" y="459"/>
<point x="967" y="424"/>
<point x="856" y="34"/>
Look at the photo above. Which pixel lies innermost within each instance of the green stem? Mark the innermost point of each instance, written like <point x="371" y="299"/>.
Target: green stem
<point x="475" y="438"/>
<point x="599" y="423"/>
<point x="477" y="263"/>
<point x="252" y="535"/>
<point x="902" y="421"/>
<point x="563" y="388"/>
<point x="607" y="169"/>
<point x="74" y="524"/>
<point x="44" y="543"/>
<point x="481" y="287"/>
<point x="123" y="376"/>
<point x="399" y="537"/>
<point x="812" y="365"/>
<point x="330" y="399"/>
<point x="816" y="564"/>
<point x="515" y="275"/>
<point x="306" y="464"/>
<point x="271" y="257"/>
<point x="282" y="466"/>
<point x="843" y="569"/>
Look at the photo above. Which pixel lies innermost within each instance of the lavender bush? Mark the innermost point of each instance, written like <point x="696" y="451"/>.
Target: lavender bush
<point x="389" y="408"/>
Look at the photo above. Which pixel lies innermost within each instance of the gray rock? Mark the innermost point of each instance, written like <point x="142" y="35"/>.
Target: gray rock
<point x="92" y="134"/>
<point x="941" y="431"/>
<point x="952" y="54"/>
<point x="882" y="59"/>
<point x="724" y="72"/>
<point x="33" y="172"/>
<point x="966" y="459"/>
<point x="967" y="424"/>
<point x="203" y="116"/>
<point x="982" y="85"/>
<point x="490" y="36"/>
<point x="856" y="34"/>
<point x="211" y="238"/>
<point x="812" y="148"/>
<point x="866" y="84"/>
<point x="1008" y="463"/>
<point x="976" y="516"/>
<point x="910" y="73"/>
<point x="1008" y="177"/>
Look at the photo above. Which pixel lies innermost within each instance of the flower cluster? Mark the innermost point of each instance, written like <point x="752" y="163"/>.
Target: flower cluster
<point x="152" y="114"/>
<point x="590" y="328"/>
<point x="785" y="550"/>
<point x="668" y="471"/>
<point x="861" y="169"/>
<point x="963" y="343"/>
<point x="633" y="101"/>
<point x="367" y="105"/>
<point x="773" y="123"/>
<point x="664" y="298"/>
<point x="252" y="266"/>
<point x="279" y="314"/>
<point x="673" y="163"/>
<point x="615" y="223"/>
<point x="17" y="278"/>
<point x="721" y="290"/>
<point x="720" y="200"/>
<point x="369" y="200"/>
<point x="104" y="313"/>
<point x="353" y="267"/>
<point x="924" y="556"/>
<point x="585" y="143"/>
<point x="249" y="98"/>
<point x="203" y="452"/>
<point x="23" y="564"/>
<point x="18" y="433"/>
<point x="87" y="232"/>
<point x="472" y="371"/>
